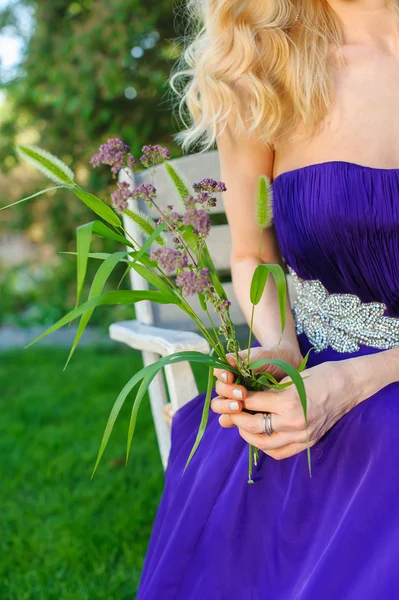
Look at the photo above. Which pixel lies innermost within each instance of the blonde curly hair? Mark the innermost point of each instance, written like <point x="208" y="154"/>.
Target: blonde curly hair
<point x="278" y="51"/>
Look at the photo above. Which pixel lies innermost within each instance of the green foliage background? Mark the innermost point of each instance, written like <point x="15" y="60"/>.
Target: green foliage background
<point x="91" y="70"/>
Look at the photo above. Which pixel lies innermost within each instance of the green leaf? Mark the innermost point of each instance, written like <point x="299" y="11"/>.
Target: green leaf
<point x="178" y="180"/>
<point x="202" y="302"/>
<point x="136" y="406"/>
<point x="109" y="298"/>
<point x="96" y="255"/>
<point x="154" y="279"/>
<point x="204" y="417"/>
<point x="97" y="287"/>
<point x="148" y="243"/>
<point x="304" y="362"/>
<point x="205" y="261"/>
<point x="98" y="206"/>
<point x="268" y="380"/>
<point x="258" y="284"/>
<point x="152" y="370"/>
<point x="102" y="230"/>
<point x="250" y="463"/>
<point x="48" y="164"/>
<point x="57" y="187"/>
<point x="298" y="382"/>
<point x="84" y="234"/>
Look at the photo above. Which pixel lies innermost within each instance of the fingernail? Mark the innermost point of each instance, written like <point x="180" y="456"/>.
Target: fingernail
<point x="223" y="377"/>
<point x="233" y="406"/>
<point x="237" y="393"/>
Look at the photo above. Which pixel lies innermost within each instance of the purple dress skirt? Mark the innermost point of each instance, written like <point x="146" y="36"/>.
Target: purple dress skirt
<point x="288" y="537"/>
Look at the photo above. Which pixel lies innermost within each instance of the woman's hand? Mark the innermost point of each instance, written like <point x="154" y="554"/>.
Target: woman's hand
<point x="284" y="351"/>
<point x="332" y="389"/>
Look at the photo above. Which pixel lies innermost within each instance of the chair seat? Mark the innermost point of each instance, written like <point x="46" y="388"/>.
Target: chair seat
<point x="156" y="339"/>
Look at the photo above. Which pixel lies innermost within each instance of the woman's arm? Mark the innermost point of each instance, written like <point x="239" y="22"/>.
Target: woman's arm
<point x="373" y="372"/>
<point x="332" y="390"/>
<point x="243" y="159"/>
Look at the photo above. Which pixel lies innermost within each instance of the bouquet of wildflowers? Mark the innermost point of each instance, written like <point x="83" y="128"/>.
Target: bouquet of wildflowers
<point x="175" y="261"/>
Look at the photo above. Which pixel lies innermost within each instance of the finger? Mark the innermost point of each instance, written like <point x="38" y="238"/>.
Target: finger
<point x="256" y="423"/>
<point x="289" y="450"/>
<point x="235" y="392"/>
<point x="231" y="360"/>
<point x="225" y="376"/>
<point x="222" y="406"/>
<point x="279" y="423"/>
<point x="280" y="402"/>
<point x="225" y="421"/>
<point x="268" y="443"/>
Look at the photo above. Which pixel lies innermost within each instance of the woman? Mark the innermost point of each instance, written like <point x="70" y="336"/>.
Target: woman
<point x="307" y="95"/>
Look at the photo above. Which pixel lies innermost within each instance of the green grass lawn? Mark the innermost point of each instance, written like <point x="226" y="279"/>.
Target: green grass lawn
<point x="62" y="535"/>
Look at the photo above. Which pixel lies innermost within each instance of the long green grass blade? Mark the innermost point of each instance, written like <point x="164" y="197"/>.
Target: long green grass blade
<point x="99" y="281"/>
<point x="204" y="418"/>
<point x="205" y="261"/>
<point x="84" y="235"/>
<point x="153" y="279"/>
<point x="109" y="298"/>
<point x="135" y="410"/>
<point x="152" y="370"/>
<point x="57" y="187"/>
<point x="83" y="242"/>
<point x="96" y="255"/>
<point x="140" y="254"/>
<point x="250" y="463"/>
<point x="102" y="230"/>
<point x="98" y="206"/>
<point x="270" y="381"/>
<point x="258" y="284"/>
<point x="304" y="362"/>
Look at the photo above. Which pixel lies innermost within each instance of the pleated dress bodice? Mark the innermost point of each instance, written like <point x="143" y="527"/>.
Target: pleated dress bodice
<point x="338" y="222"/>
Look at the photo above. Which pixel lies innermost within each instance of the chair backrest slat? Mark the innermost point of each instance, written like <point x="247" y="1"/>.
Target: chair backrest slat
<point x="192" y="169"/>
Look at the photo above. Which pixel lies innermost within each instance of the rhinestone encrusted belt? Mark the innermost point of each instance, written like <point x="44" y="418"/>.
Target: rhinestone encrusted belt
<point x="340" y="321"/>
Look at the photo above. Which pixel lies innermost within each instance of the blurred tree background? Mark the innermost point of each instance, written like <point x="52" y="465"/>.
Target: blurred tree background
<point x="88" y="70"/>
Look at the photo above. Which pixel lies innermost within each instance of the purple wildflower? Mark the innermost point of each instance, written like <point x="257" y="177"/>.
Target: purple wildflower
<point x="189" y="201"/>
<point x="121" y="196"/>
<point x="131" y="161"/>
<point x="209" y="185"/>
<point x="174" y="218"/>
<point x="221" y="305"/>
<point x="193" y="282"/>
<point x="112" y="153"/>
<point x="168" y="259"/>
<point x="146" y="191"/>
<point x="154" y="155"/>
<point x="199" y="219"/>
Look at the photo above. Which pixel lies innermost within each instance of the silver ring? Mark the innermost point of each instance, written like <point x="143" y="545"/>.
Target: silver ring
<point x="267" y="424"/>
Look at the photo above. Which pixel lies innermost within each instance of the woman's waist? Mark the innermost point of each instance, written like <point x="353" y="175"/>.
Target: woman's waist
<point x="340" y="322"/>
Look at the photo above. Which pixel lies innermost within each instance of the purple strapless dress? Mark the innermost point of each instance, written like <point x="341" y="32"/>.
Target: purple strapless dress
<point x="289" y="537"/>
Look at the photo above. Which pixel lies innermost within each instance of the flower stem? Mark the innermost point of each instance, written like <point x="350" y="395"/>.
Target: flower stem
<point x="250" y="464"/>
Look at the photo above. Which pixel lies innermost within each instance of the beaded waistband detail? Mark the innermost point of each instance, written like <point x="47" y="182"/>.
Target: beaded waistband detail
<point x="340" y="321"/>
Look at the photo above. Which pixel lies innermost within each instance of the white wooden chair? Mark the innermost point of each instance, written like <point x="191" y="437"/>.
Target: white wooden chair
<point x="160" y="330"/>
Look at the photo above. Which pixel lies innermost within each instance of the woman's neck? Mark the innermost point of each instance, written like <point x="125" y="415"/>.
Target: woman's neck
<point x="365" y="21"/>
